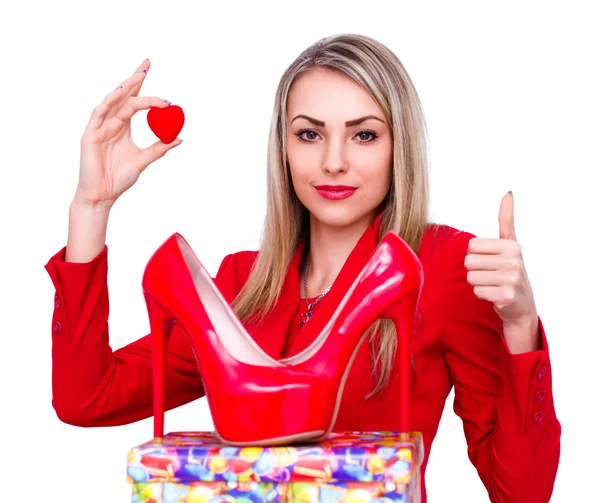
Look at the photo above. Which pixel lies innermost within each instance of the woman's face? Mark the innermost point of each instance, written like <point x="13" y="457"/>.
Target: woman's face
<point x="339" y="148"/>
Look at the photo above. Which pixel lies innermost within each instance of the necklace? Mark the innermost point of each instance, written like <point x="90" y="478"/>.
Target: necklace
<point x="308" y="314"/>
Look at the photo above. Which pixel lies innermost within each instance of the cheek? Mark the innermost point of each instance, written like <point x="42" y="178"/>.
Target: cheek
<point x="377" y="172"/>
<point x="300" y="161"/>
<point x="380" y="185"/>
<point x="383" y="163"/>
<point x="299" y="175"/>
<point x="298" y="171"/>
<point x="294" y="146"/>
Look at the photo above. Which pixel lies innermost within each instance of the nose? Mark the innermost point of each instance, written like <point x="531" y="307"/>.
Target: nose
<point x="333" y="169"/>
<point x="335" y="159"/>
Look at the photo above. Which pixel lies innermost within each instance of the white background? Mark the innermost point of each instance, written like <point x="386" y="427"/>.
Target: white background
<point x="510" y="93"/>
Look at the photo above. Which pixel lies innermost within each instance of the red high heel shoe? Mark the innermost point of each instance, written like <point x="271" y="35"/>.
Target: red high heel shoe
<point x="253" y="398"/>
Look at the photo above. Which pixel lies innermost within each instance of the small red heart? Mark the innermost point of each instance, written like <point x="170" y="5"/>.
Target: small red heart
<point x="166" y="123"/>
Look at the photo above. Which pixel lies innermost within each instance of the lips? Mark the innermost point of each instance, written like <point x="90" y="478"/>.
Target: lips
<point x="334" y="187"/>
<point x="335" y="192"/>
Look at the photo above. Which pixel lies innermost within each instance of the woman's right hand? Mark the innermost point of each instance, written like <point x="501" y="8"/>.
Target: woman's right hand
<point x="110" y="161"/>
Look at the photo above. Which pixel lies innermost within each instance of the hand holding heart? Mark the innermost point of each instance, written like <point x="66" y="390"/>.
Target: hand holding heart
<point x="497" y="273"/>
<point x="110" y="161"/>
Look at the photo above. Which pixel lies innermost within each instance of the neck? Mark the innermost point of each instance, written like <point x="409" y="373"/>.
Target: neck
<point x="329" y="249"/>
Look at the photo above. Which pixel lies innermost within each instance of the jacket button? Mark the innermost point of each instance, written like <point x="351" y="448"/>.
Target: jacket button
<point x="537" y="417"/>
<point x="56" y="301"/>
<point x="56" y="327"/>
<point x="541" y="374"/>
<point x="539" y="396"/>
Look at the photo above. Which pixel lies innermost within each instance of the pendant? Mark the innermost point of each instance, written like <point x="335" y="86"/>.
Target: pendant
<point x="304" y="318"/>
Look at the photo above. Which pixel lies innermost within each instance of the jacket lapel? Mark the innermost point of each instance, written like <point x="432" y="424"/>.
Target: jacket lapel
<point x="354" y="264"/>
<point x="272" y="332"/>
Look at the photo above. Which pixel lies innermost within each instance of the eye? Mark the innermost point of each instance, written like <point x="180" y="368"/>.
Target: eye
<point x="367" y="132"/>
<point x="312" y="134"/>
<point x="302" y="132"/>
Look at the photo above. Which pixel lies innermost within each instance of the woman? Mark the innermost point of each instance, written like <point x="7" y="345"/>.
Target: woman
<point x="347" y="162"/>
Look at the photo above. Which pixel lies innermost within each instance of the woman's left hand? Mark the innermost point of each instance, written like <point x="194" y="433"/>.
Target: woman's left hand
<point x="497" y="273"/>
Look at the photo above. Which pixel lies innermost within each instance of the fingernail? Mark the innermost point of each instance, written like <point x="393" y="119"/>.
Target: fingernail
<point x="167" y="101"/>
<point x="510" y="192"/>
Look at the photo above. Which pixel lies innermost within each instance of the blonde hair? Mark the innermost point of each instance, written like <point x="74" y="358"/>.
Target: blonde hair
<point x="405" y="210"/>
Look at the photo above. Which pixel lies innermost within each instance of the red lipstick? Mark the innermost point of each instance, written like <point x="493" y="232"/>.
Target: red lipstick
<point x="335" y="191"/>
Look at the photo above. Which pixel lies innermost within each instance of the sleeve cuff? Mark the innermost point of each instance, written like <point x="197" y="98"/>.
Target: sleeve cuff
<point x="61" y="271"/>
<point x="529" y="377"/>
<point x="527" y="363"/>
<point x="79" y="287"/>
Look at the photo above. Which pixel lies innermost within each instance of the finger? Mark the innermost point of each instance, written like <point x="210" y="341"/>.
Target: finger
<point x="156" y="151"/>
<point x="506" y="217"/>
<point x="487" y="278"/>
<point x="475" y="262"/>
<point x="145" y="65"/>
<point x="128" y="90"/>
<point x="130" y="86"/>
<point x="143" y="68"/>
<point x="491" y="245"/>
<point x="135" y="104"/>
<point x="136" y="79"/>
<point x="490" y="293"/>
<point x="103" y="110"/>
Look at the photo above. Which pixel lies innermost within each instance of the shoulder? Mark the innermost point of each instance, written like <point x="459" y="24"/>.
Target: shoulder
<point x="453" y="249"/>
<point x="446" y="242"/>
<point x="238" y="262"/>
<point x="234" y="271"/>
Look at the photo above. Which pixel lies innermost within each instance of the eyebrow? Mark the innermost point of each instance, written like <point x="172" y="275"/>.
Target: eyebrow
<point x="350" y="123"/>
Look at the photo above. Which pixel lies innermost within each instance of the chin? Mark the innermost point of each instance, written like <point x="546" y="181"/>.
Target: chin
<point x="341" y="216"/>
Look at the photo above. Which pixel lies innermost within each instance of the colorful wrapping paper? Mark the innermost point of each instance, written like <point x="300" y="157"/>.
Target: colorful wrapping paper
<point x="351" y="467"/>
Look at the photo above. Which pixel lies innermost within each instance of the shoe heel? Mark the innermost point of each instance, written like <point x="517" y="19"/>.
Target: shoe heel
<point x="161" y="324"/>
<point x="403" y="315"/>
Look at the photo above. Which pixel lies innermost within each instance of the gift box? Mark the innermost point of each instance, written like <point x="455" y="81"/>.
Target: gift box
<point x="352" y="467"/>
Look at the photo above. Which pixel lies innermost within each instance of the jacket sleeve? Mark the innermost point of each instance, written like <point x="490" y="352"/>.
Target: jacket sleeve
<point x="504" y="400"/>
<point x="92" y="385"/>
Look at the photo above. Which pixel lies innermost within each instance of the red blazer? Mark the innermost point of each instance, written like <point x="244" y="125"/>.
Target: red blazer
<point x="505" y="401"/>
